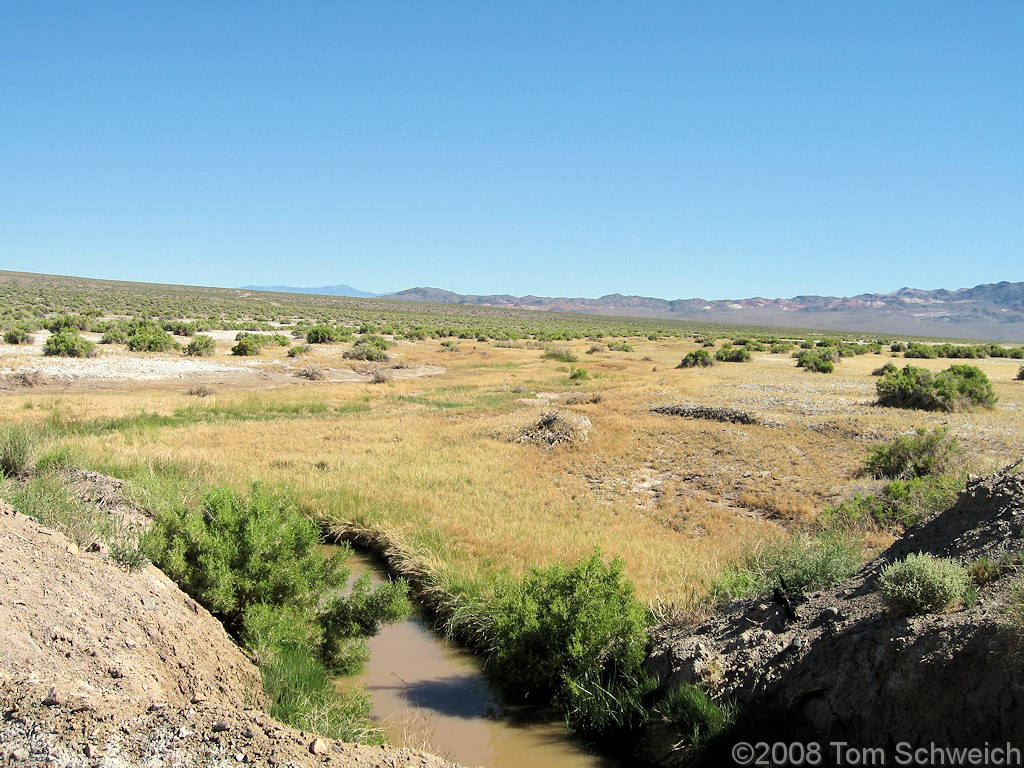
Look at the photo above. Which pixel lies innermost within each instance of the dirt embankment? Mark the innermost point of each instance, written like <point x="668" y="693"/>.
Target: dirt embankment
<point x="99" y="667"/>
<point x="848" y="668"/>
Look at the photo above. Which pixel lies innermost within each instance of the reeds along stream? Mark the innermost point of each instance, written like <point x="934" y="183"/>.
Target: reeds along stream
<point x="432" y="696"/>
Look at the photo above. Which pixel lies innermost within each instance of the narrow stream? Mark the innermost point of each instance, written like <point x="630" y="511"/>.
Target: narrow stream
<point x="431" y="695"/>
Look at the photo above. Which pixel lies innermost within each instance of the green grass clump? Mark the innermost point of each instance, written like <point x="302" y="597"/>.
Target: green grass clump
<point x="45" y="497"/>
<point x="303" y="696"/>
<point x="18" y="446"/>
<point x="923" y="584"/>
<point x="804" y="562"/>
<point x="900" y="504"/>
<point x="697" y="718"/>
<point x="562" y="354"/>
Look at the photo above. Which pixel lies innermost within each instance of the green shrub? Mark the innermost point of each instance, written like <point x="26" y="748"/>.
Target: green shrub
<point x="699" y="358"/>
<point x="956" y="387"/>
<point x="236" y="551"/>
<point x="114" y="336"/>
<point x="573" y="636"/>
<point x="1020" y="374"/>
<point x="732" y="355"/>
<point x="201" y="346"/>
<point x="298" y="349"/>
<point x="618" y="346"/>
<point x="151" y="339"/>
<point x="247" y="346"/>
<point x="918" y="455"/>
<point x="922" y="583"/>
<point x="804" y="562"/>
<point x="370" y="347"/>
<point x="562" y="354"/>
<point x="781" y="347"/>
<point x="255" y="562"/>
<point x="17" y="336"/>
<point x="578" y="374"/>
<point x="67" y="343"/>
<point x="883" y="370"/>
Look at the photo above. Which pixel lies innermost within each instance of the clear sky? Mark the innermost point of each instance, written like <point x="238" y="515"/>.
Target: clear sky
<point x="670" y="149"/>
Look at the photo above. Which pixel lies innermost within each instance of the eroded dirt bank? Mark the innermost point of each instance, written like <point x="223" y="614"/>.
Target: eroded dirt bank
<point x="848" y="668"/>
<point x="99" y="667"/>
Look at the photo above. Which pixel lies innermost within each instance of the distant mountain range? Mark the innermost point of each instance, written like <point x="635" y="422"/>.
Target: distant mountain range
<point x="993" y="311"/>
<point x="326" y="290"/>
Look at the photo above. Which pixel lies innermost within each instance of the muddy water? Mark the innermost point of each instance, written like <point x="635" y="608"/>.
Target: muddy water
<point x="431" y="696"/>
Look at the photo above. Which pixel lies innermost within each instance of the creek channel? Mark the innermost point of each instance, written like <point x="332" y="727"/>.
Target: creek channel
<point x="431" y="695"/>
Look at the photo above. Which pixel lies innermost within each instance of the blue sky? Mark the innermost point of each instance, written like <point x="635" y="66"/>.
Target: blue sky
<point x="670" y="149"/>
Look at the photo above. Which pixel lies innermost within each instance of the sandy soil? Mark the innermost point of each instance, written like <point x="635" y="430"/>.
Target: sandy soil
<point x="23" y="366"/>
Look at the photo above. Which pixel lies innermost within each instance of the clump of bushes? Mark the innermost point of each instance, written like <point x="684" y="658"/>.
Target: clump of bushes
<point x="817" y="360"/>
<point x="322" y="334"/>
<point x="884" y="369"/>
<point x="298" y="349"/>
<point x="117" y="335"/>
<point x="151" y="339"/>
<point x="255" y="562"/>
<point x="17" y="336"/>
<point x="732" y="355"/>
<point x="619" y="346"/>
<point x="956" y="387"/>
<point x="246" y="346"/>
<point x="1020" y="374"/>
<point x="803" y="562"/>
<point x="781" y="347"/>
<point x="698" y="358"/>
<point x="201" y="345"/>
<point x="921" y="454"/>
<point x="67" y="343"/>
<point x="924" y="479"/>
<point x="575" y="636"/>
<point x="369" y="347"/>
<point x="922" y="584"/>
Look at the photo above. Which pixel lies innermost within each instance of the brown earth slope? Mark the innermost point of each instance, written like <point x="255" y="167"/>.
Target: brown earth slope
<point x="851" y="669"/>
<point x="99" y="667"/>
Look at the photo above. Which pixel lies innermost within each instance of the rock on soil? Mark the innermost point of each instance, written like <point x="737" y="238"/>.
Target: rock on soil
<point x="99" y="667"/>
<point x="851" y="669"/>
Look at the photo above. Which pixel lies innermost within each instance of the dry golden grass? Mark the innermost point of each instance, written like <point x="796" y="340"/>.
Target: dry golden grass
<point x="427" y="461"/>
